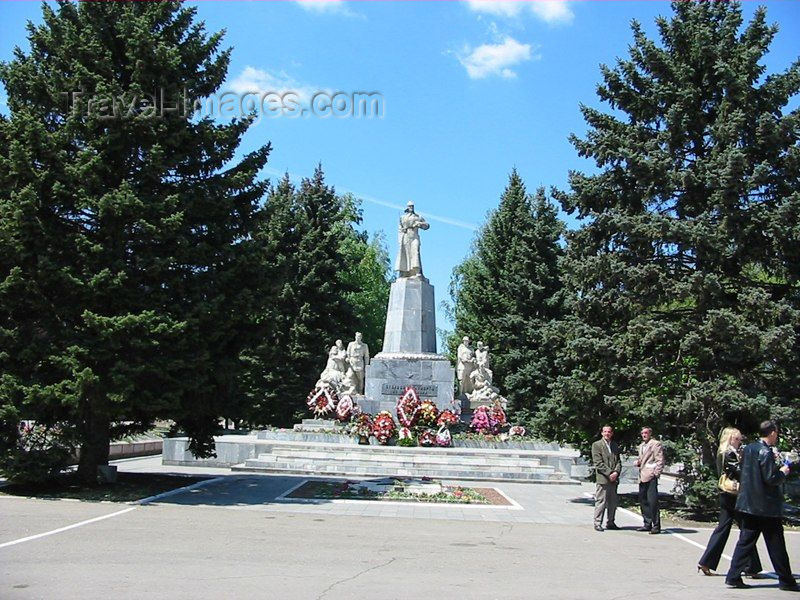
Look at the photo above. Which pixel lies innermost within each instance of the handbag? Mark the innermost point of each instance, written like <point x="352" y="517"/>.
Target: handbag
<point x="728" y="485"/>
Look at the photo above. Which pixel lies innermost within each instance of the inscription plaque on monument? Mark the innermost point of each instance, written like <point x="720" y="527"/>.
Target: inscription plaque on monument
<point x="397" y="389"/>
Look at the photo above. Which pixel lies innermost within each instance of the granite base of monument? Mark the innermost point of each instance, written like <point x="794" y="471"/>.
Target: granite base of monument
<point x="388" y="375"/>
<point x="410" y="317"/>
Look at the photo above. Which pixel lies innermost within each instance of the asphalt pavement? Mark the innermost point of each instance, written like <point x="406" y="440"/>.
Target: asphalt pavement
<point x="237" y="537"/>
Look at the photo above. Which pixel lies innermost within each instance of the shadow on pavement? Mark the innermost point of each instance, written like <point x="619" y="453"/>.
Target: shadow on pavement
<point x="245" y="490"/>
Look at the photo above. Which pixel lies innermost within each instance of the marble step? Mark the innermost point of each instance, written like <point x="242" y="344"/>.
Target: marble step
<point x="379" y="470"/>
<point x="403" y="464"/>
<point x="339" y="448"/>
<point x="498" y="461"/>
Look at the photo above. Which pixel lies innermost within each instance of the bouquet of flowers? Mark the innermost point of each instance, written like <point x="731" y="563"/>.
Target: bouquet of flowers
<point x="516" y="430"/>
<point x="443" y="437"/>
<point x="407" y="406"/>
<point x="405" y="437"/>
<point x="322" y="400"/>
<point x="383" y="427"/>
<point x="427" y="413"/>
<point x="344" y="410"/>
<point x="362" y="425"/>
<point x="447" y="417"/>
<point x="497" y="418"/>
<point x="480" y="420"/>
<point x="427" y="438"/>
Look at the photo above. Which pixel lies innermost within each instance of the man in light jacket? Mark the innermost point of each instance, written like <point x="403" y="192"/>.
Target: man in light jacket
<point x="607" y="467"/>
<point x="651" y="464"/>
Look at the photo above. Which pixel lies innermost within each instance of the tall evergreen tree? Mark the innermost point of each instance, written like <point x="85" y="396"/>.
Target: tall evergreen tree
<point x="128" y="263"/>
<point x="305" y="226"/>
<point x="368" y="277"/>
<point x="685" y="273"/>
<point x="508" y="290"/>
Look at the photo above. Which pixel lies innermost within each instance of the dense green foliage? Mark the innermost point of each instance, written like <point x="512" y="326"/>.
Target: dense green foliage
<point x="142" y="275"/>
<point x="509" y="290"/>
<point x="684" y="275"/>
<point x="328" y="282"/>
<point x="128" y="266"/>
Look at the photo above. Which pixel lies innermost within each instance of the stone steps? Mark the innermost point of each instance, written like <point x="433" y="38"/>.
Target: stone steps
<point x="271" y="445"/>
<point x="332" y="459"/>
<point x="452" y="460"/>
<point x="471" y="472"/>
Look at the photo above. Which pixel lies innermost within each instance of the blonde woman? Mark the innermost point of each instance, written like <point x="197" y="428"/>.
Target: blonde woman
<point x="728" y="463"/>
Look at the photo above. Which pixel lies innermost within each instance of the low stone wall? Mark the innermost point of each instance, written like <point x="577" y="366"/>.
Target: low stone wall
<point x="132" y="449"/>
<point x="230" y="449"/>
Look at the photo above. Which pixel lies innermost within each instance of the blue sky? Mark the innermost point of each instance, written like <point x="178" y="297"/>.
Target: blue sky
<point x="470" y="90"/>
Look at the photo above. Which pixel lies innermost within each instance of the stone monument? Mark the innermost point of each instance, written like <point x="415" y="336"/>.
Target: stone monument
<point x="409" y="354"/>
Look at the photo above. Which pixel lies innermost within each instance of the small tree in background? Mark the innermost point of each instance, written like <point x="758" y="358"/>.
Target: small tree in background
<point x="508" y="290"/>
<point x="329" y="282"/>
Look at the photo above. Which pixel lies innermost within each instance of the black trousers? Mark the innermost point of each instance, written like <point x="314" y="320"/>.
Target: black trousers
<point x="716" y="544"/>
<point x="648" y="502"/>
<point x="772" y="529"/>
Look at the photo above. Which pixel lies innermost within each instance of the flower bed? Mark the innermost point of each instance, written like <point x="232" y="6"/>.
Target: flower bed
<point x="355" y="490"/>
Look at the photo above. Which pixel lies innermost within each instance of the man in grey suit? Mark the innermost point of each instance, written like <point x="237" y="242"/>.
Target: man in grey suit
<point x="607" y="467"/>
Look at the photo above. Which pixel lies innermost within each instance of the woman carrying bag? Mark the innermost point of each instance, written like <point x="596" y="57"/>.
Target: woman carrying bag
<point x="729" y="469"/>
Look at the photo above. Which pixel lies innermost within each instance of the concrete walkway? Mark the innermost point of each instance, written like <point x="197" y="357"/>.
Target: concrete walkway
<point x="233" y="537"/>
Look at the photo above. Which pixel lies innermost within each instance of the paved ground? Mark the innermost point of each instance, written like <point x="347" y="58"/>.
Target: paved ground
<point x="234" y="538"/>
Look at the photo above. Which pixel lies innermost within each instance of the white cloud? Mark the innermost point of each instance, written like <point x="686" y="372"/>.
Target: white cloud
<point x="259" y="81"/>
<point x="499" y="8"/>
<point x="495" y="59"/>
<point x="549" y="11"/>
<point x="326" y="7"/>
<point x="552" y="11"/>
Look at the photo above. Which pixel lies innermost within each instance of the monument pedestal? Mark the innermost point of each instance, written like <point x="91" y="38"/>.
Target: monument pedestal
<point x="409" y="351"/>
<point x="389" y="374"/>
<point x="410" y="317"/>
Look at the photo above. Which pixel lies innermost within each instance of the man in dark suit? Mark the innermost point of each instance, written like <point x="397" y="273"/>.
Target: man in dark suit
<point x="760" y="503"/>
<point x="607" y="467"/>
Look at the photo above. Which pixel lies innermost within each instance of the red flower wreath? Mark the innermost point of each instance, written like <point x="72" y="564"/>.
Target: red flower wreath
<point x="383" y="427"/>
<point x="322" y="400"/>
<point x="407" y="406"/>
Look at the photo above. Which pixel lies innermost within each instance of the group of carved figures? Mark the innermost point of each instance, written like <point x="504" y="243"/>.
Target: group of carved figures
<point x="474" y="374"/>
<point x="346" y="367"/>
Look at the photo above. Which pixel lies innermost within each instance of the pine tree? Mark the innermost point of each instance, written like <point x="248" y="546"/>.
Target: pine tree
<point x="129" y="266"/>
<point x="305" y="226"/>
<point x="685" y="273"/>
<point x="367" y="276"/>
<point x="508" y="290"/>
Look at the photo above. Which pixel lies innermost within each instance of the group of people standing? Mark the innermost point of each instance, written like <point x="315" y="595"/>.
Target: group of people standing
<point x="750" y="495"/>
<point x="608" y="467"/>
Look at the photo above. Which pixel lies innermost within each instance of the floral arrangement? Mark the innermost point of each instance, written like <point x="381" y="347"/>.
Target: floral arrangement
<point x="517" y="430"/>
<point x="427" y="438"/>
<point x="405" y="437"/>
<point x="427" y="413"/>
<point x="362" y="425"/>
<point x="447" y="417"/>
<point x="322" y="400"/>
<point x="480" y="420"/>
<point x="344" y="410"/>
<point x="383" y="427"/>
<point x="443" y="437"/>
<point x="407" y="406"/>
<point x="497" y="417"/>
